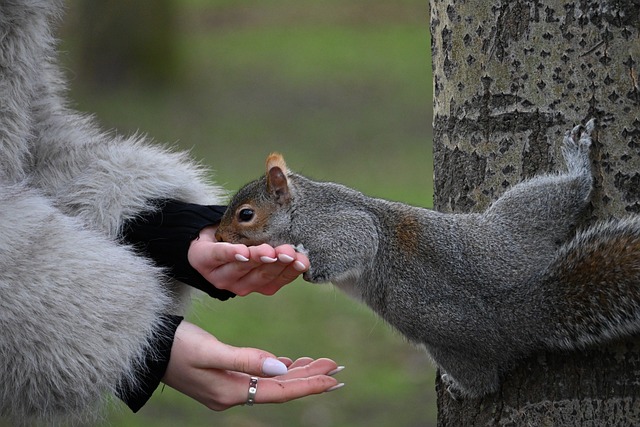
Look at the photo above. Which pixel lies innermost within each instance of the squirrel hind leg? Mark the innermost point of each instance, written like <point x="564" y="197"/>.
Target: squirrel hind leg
<point x="452" y="387"/>
<point x="469" y="379"/>
<point x="458" y="391"/>
<point x="576" y="145"/>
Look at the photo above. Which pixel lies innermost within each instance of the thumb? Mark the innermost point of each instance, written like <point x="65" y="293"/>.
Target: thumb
<point x="250" y="361"/>
<point x="207" y="352"/>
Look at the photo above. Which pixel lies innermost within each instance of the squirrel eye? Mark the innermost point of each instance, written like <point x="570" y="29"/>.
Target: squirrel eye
<point x="245" y="215"/>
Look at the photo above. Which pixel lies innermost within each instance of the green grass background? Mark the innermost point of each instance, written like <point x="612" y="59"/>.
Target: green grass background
<point x="343" y="89"/>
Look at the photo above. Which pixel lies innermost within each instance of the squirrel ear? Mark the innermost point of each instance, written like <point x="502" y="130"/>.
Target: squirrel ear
<point x="277" y="183"/>
<point x="276" y="159"/>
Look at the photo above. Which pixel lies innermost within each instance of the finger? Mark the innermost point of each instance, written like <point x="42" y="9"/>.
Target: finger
<point x="270" y="390"/>
<point x="231" y="267"/>
<point x="269" y="278"/>
<point x="283" y="277"/>
<point x="237" y="279"/>
<point x="266" y="271"/>
<point x="247" y="360"/>
<point x="287" y="361"/>
<point x="270" y="289"/>
<point x="208" y="233"/>
<point x="287" y="254"/>
<point x="317" y="367"/>
<point x="241" y="274"/>
<point x="302" y="361"/>
<point x="266" y="279"/>
<point x="206" y="256"/>
<point x="263" y="254"/>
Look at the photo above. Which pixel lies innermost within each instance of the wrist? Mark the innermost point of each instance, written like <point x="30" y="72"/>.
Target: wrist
<point x="165" y="235"/>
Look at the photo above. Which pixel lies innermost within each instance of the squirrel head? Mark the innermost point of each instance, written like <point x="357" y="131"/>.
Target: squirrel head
<point x="260" y="208"/>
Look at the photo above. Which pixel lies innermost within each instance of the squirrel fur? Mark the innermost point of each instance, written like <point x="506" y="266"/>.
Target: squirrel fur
<point x="478" y="290"/>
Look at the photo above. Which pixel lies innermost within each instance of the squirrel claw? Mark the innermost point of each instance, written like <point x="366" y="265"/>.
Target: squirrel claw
<point x="585" y="136"/>
<point x="580" y="133"/>
<point x="575" y="132"/>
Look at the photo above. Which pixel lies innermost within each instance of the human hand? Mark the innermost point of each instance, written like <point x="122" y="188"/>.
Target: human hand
<point x="244" y="269"/>
<point x="217" y="375"/>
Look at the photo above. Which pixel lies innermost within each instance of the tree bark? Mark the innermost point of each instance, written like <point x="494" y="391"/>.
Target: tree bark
<point x="510" y="77"/>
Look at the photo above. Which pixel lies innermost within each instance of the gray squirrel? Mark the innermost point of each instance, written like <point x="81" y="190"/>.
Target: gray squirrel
<point x="479" y="290"/>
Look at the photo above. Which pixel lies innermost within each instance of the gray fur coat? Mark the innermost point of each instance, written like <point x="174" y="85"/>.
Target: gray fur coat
<point x="76" y="307"/>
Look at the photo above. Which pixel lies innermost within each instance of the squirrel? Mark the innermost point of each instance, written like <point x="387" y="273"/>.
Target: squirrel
<point x="479" y="290"/>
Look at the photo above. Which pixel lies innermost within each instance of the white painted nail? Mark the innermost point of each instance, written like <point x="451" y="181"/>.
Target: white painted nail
<point x="285" y="258"/>
<point x="299" y="266"/>
<point x="268" y="260"/>
<point x="241" y="258"/>
<point x="335" y="371"/>
<point x="335" y="387"/>
<point x="273" y="367"/>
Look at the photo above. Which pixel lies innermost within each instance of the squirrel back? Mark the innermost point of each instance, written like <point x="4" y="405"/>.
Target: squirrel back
<point x="478" y="290"/>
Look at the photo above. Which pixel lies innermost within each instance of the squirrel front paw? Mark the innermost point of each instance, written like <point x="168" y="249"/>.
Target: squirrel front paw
<point x="576" y="145"/>
<point x="316" y="275"/>
<point x="313" y="274"/>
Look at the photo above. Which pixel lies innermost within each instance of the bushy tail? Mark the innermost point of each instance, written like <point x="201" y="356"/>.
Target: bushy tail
<point x="591" y="292"/>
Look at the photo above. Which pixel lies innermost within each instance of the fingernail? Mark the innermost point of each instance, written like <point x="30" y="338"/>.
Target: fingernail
<point x="268" y="260"/>
<point x="335" y="371"/>
<point x="335" y="387"/>
<point x="241" y="258"/>
<point x="273" y="367"/>
<point x="299" y="266"/>
<point x="285" y="258"/>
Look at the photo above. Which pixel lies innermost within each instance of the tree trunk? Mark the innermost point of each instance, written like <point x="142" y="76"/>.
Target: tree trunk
<point x="510" y="77"/>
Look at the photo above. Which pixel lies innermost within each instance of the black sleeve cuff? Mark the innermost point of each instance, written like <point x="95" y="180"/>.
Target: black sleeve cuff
<point x="165" y="234"/>
<point x="147" y="377"/>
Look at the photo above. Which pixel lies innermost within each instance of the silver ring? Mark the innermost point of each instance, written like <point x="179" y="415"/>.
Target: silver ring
<point x="253" y="389"/>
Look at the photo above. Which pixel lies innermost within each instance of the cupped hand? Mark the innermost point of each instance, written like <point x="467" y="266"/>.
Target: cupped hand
<point x="245" y="269"/>
<point x="218" y="375"/>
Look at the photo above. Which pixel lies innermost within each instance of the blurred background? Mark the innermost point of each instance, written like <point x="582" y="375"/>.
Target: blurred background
<point x="343" y="89"/>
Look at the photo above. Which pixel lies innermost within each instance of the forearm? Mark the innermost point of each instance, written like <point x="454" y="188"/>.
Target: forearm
<point x="148" y="374"/>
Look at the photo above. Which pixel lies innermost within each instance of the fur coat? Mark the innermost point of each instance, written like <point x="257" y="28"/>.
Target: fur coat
<point x="77" y="307"/>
